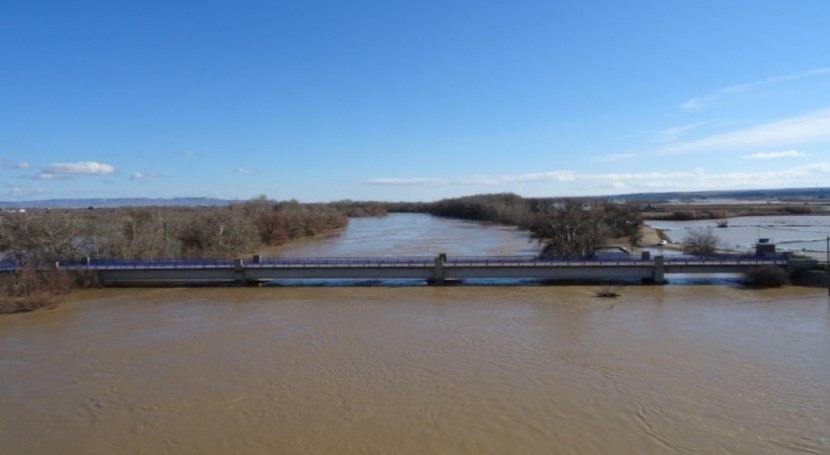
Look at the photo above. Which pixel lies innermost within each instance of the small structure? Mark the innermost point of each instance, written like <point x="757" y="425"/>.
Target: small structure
<point x="764" y="248"/>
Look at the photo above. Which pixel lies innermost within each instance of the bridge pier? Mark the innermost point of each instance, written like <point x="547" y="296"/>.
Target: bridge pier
<point x="659" y="276"/>
<point x="239" y="276"/>
<point x="439" y="276"/>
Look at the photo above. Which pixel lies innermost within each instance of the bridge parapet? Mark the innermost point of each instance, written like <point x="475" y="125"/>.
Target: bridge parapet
<point x="436" y="269"/>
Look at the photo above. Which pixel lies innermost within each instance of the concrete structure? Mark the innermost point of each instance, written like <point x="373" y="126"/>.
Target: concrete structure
<point x="435" y="270"/>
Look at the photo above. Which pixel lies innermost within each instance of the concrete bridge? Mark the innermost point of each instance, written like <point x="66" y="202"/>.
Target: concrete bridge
<point x="437" y="270"/>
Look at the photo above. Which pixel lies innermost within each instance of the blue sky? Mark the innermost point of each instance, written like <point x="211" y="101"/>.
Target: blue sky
<point x="410" y="100"/>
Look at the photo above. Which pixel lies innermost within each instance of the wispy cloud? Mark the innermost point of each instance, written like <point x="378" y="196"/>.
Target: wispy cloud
<point x="788" y="132"/>
<point x="243" y="171"/>
<point x="82" y="167"/>
<point x="20" y="192"/>
<point x="775" y="155"/>
<point x="143" y="176"/>
<point x="189" y="154"/>
<point x="57" y="171"/>
<point x="815" y="174"/>
<point x="674" y="134"/>
<point x="616" y="157"/>
<point x="9" y="165"/>
<point x="417" y="181"/>
<point x="699" y="102"/>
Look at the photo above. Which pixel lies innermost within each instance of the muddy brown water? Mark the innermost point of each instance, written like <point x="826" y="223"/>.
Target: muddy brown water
<point x="676" y="369"/>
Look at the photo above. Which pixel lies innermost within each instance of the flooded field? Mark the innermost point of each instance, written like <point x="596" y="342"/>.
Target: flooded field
<point x="805" y="234"/>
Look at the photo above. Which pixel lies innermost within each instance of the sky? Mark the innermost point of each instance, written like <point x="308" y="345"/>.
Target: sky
<point x="410" y="100"/>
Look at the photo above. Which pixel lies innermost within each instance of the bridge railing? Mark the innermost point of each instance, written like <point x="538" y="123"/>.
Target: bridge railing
<point x="122" y="264"/>
<point x="726" y="259"/>
<point x="417" y="261"/>
<point x="539" y="261"/>
<point x="342" y="262"/>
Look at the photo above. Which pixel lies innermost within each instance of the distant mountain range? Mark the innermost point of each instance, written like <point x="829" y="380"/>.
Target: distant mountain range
<point x="787" y="193"/>
<point x="114" y="202"/>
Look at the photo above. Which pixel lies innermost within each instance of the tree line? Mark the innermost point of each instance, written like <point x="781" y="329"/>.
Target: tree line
<point x="563" y="227"/>
<point x="40" y="237"/>
<point x="34" y="240"/>
<point x="566" y="228"/>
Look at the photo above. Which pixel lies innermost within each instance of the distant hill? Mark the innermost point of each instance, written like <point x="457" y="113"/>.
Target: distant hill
<point x="786" y="193"/>
<point x="114" y="202"/>
<point x="781" y="194"/>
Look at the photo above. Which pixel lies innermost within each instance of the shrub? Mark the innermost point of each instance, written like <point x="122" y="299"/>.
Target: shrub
<point x="609" y="291"/>
<point x="767" y="276"/>
<point x="700" y="242"/>
<point x="684" y="215"/>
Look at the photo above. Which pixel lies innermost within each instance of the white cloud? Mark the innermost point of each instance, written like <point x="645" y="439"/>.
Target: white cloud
<point x="408" y="181"/>
<point x="83" y="167"/>
<point x="616" y="157"/>
<point x="815" y="174"/>
<point x="243" y="171"/>
<point x="774" y="155"/>
<point x="189" y="154"/>
<point x="142" y="176"/>
<point x="20" y="192"/>
<point x="806" y="129"/>
<point x="9" y="165"/>
<point x="699" y="102"/>
<point x="674" y="134"/>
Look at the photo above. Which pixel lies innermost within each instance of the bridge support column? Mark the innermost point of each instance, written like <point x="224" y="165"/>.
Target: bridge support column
<point x="439" y="276"/>
<point x="659" y="276"/>
<point x="239" y="272"/>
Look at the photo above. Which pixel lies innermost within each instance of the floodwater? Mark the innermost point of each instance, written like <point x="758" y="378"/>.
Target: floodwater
<point x="411" y="370"/>
<point x="804" y="234"/>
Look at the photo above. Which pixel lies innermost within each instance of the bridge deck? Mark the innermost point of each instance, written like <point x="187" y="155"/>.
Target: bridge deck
<point x="433" y="269"/>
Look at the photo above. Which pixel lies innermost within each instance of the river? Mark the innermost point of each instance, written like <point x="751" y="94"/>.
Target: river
<point x="674" y="369"/>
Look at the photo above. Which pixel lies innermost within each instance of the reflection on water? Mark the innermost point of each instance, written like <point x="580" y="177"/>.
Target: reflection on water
<point x="413" y="370"/>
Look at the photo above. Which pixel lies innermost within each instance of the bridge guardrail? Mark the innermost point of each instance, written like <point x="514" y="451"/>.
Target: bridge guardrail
<point x="419" y="261"/>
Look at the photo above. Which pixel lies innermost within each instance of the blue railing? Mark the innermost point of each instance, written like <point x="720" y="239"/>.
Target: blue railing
<point x="413" y="261"/>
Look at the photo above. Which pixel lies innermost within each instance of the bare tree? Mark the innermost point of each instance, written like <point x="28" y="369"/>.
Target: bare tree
<point x="572" y="229"/>
<point x="700" y="242"/>
<point x="39" y="238"/>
